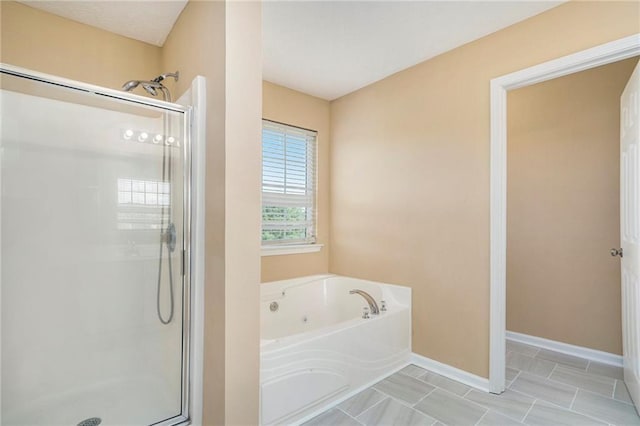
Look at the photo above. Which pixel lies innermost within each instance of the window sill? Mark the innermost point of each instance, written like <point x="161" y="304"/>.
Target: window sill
<point x="281" y="250"/>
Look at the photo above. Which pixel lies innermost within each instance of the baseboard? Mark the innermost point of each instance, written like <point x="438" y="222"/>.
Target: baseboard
<point x="450" y="372"/>
<point x="445" y="370"/>
<point x="565" y="348"/>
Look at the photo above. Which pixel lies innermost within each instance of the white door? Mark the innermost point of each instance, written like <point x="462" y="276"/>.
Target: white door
<point x="630" y="231"/>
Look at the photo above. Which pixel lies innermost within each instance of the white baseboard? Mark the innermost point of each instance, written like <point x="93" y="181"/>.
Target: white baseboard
<point x="450" y="372"/>
<point x="565" y="348"/>
<point x="445" y="370"/>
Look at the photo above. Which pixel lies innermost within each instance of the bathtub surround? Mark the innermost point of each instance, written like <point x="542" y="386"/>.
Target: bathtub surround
<point x="221" y="41"/>
<point x="298" y="109"/>
<point x="410" y="174"/>
<point x="317" y="350"/>
<point x="563" y="190"/>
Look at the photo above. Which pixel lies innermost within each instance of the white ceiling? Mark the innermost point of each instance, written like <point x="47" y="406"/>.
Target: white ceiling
<point x="150" y="21"/>
<point x="330" y="48"/>
<point x="324" y="48"/>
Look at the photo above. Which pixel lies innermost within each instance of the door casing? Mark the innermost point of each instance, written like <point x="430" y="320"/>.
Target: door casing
<point x="600" y="55"/>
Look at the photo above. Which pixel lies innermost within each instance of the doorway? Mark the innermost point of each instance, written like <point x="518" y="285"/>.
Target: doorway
<point x="591" y="58"/>
<point x="563" y="208"/>
<point x="564" y="333"/>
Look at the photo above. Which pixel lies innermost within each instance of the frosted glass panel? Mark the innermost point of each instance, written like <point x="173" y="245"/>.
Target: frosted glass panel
<point x="84" y="207"/>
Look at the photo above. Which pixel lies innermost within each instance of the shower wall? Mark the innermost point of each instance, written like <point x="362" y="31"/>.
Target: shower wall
<point x="80" y="332"/>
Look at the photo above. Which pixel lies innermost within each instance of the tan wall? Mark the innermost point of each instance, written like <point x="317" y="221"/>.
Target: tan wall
<point x="302" y="110"/>
<point x="243" y="169"/>
<point x="196" y="46"/>
<point x="43" y="42"/>
<point x="223" y="43"/>
<point x="410" y="174"/>
<point x="563" y="205"/>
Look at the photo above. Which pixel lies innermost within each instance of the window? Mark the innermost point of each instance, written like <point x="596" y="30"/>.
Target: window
<point x="141" y="202"/>
<point x="143" y="192"/>
<point x="288" y="184"/>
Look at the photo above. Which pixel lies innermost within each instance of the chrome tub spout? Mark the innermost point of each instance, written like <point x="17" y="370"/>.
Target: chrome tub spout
<point x="370" y="300"/>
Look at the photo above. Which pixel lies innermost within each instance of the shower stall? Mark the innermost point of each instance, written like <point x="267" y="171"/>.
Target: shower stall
<point x="95" y="250"/>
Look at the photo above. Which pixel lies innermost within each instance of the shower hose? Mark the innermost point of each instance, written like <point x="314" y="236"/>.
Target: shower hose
<point x="168" y="235"/>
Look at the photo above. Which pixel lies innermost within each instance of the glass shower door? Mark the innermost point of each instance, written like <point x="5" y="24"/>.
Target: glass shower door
<point x="92" y="231"/>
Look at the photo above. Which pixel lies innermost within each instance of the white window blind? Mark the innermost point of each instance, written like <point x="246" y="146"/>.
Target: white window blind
<point x="288" y="184"/>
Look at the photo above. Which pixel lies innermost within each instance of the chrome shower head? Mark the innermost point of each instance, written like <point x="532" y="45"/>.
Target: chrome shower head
<point x="152" y="86"/>
<point x="149" y="89"/>
<point x="130" y="85"/>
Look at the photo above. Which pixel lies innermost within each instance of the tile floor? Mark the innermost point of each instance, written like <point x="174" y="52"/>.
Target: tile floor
<point x="543" y="388"/>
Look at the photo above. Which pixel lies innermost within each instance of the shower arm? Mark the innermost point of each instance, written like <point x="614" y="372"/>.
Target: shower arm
<point x="175" y="75"/>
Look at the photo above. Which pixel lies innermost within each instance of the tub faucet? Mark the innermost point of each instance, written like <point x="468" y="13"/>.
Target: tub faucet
<point x="370" y="300"/>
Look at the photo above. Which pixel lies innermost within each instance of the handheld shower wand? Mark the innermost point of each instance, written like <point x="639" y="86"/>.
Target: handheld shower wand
<point x="130" y="85"/>
<point x="168" y="234"/>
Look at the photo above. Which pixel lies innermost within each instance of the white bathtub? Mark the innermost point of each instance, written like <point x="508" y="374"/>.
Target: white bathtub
<point x="317" y="349"/>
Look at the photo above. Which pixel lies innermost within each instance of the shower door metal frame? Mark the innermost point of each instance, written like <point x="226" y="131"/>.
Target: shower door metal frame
<point x="184" y="417"/>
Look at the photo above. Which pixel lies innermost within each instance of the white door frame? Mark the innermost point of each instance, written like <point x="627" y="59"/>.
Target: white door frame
<point x="600" y="55"/>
